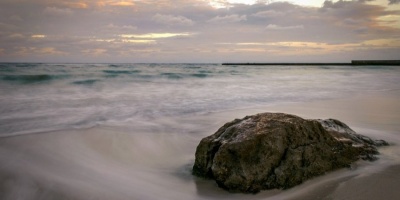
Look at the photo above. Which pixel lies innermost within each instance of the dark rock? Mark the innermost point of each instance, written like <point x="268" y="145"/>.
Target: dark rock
<point x="276" y="150"/>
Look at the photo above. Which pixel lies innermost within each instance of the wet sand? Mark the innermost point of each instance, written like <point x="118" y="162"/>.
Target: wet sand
<point x="153" y="161"/>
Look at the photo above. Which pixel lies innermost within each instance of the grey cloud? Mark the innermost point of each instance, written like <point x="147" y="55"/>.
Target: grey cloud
<point x="355" y="13"/>
<point x="7" y="27"/>
<point x="269" y="14"/>
<point x="228" y="19"/>
<point x="394" y="1"/>
<point x="58" y="11"/>
<point x="16" y="18"/>
<point x="112" y="28"/>
<point x="277" y="27"/>
<point x="351" y="21"/>
<point x="172" y="20"/>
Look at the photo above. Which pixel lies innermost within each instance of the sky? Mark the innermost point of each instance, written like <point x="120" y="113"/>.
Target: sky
<point x="198" y="31"/>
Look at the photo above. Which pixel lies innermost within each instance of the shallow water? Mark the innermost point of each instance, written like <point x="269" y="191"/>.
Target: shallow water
<point x="48" y="97"/>
<point x="127" y="131"/>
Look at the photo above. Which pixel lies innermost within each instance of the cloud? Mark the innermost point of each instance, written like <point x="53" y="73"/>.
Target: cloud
<point x="22" y="51"/>
<point x="228" y="19"/>
<point x="77" y="4"/>
<point x="7" y="27"/>
<point x="17" y="36"/>
<point x="94" y="52"/>
<point x="58" y="11"/>
<point x="139" y="41"/>
<point x="156" y="35"/>
<point x="171" y="30"/>
<point x="16" y="18"/>
<point x="277" y="27"/>
<point x="38" y="36"/>
<point x="172" y="20"/>
<point x="269" y="14"/>
<point x="113" y="29"/>
<point x="358" y="15"/>
<point x="122" y="3"/>
<point x="49" y="51"/>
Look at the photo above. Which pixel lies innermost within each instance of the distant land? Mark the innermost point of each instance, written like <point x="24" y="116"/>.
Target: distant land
<point x="353" y="62"/>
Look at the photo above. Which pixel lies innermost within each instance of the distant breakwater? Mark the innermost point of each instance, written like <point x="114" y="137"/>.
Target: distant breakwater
<point x="353" y="62"/>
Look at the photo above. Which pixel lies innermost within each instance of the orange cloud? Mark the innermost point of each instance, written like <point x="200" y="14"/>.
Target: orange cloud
<point x="38" y="36"/>
<point x="81" y="5"/>
<point x="122" y="3"/>
<point x="114" y="3"/>
<point x="309" y="48"/>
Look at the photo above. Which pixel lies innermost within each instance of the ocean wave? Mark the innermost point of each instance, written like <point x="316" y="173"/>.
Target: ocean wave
<point x="122" y="71"/>
<point x="27" y="64"/>
<point x="27" y="79"/>
<point x="86" y="82"/>
<point x="172" y="75"/>
<point x="200" y="75"/>
<point x="206" y="71"/>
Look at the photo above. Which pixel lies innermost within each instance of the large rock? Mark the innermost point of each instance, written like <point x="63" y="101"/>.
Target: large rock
<point x="276" y="150"/>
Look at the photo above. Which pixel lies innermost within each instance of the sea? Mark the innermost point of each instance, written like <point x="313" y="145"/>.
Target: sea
<point x="130" y="131"/>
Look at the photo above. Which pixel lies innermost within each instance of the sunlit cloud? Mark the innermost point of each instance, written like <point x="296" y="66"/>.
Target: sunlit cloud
<point x="245" y="44"/>
<point x="105" y="40"/>
<point x="125" y="27"/>
<point x="313" y="48"/>
<point x="102" y="3"/>
<point x="139" y="41"/>
<point x="122" y="3"/>
<point x="17" y="36"/>
<point x="390" y="21"/>
<point x="38" y="36"/>
<point x="126" y="40"/>
<point x="250" y="50"/>
<point x="231" y="3"/>
<point x="277" y="27"/>
<point x="155" y="35"/>
<point x="81" y="5"/>
<point x="383" y="43"/>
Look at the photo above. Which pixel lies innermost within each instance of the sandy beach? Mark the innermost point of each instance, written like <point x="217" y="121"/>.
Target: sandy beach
<point x="107" y="162"/>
